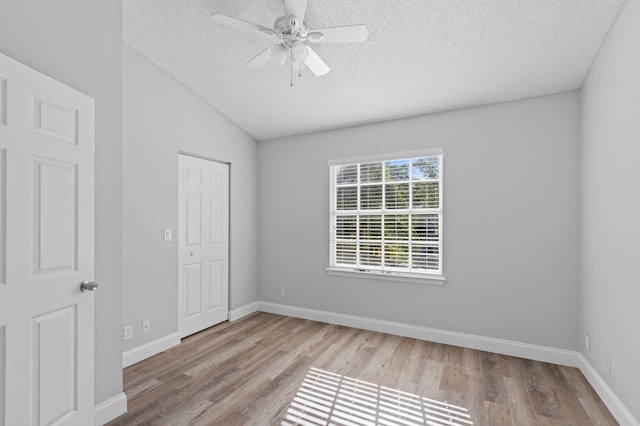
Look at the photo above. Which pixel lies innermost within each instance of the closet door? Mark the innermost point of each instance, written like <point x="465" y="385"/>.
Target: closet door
<point x="204" y="243"/>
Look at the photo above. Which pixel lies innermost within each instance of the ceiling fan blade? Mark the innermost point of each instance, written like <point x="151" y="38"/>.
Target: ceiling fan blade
<point x="280" y="54"/>
<point x="263" y="58"/>
<point x="315" y="63"/>
<point x="297" y="8"/>
<point x="239" y="23"/>
<point x="347" y="34"/>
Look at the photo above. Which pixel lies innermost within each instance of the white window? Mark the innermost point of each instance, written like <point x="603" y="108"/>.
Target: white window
<point x="386" y="216"/>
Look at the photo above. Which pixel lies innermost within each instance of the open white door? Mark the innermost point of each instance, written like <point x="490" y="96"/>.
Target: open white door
<point x="204" y="243"/>
<point x="46" y="250"/>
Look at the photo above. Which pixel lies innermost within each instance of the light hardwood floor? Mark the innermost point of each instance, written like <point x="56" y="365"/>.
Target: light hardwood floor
<point x="250" y="371"/>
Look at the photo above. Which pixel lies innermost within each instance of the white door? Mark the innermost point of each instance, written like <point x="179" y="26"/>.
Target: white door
<point x="46" y="250"/>
<point x="203" y="243"/>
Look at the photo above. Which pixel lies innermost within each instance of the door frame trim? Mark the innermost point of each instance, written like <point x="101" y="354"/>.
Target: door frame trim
<point x="204" y="157"/>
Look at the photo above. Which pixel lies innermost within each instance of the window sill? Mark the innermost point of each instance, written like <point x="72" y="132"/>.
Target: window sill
<point x="389" y="276"/>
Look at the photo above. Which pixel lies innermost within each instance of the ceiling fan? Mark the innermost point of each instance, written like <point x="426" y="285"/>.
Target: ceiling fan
<point x="293" y="35"/>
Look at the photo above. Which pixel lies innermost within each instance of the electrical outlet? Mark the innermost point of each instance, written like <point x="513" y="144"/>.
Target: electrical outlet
<point x="587" y="342"/>
<point x="146" y="326"/>
<point x="283" y="293"/>
<point x="127" y="332"/>
<point x="608" y="363"/>
<point x="167" y="235"/>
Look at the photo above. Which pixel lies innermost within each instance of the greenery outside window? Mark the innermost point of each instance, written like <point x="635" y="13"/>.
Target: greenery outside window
<point x="386" y="216"/>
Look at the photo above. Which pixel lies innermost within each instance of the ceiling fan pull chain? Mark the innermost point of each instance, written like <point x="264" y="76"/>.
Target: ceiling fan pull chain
<point x="299" y="69"/>
<point x="291" y="68"/>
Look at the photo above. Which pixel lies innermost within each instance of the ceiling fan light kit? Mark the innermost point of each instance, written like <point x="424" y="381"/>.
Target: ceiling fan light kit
<point x="293" y="34"/>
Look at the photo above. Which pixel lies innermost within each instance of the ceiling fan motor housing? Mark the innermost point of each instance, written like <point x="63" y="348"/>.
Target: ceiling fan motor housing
<point x="289" y="28"/>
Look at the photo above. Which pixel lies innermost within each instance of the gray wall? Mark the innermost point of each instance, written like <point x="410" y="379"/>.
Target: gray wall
<point x="610" y="206"/>
<point x="510" y="222"/>
<point x="78" y="42"/>
<point x="160" y="118"/>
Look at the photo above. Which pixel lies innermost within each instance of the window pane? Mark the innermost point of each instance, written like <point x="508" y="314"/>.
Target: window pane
<point x="425" y="227"/>
<point x="371" y="197"/>
<point x="426" y="195"/>
<point x="346" y="227"/>
<point x="396" y="170"/>
<point x="346" y="253"/>
<point x="371" y="227"/>
<point x="433" y="257"/>
<point x="347" y="174"/>
<point x="425" y="168"/>
<point x="419" y="256"/>
<point x="371" y="254"/>
<point x="397" y="195"/>
<point x="396" y="227"/>
<point x="347" y="198"/>
<point x="371" y="172"/>
<point x="425" y="257"/>
<point x="396" y="255"/>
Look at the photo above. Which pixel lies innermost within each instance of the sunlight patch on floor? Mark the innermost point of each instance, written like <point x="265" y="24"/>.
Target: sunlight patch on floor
<point x="326" y="398"/>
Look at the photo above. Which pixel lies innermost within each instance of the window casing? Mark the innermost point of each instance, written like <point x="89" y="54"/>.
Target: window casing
<point x="386" y="215"/>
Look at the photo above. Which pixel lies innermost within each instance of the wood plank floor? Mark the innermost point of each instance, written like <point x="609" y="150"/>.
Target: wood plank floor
<point x="250" y="371"/>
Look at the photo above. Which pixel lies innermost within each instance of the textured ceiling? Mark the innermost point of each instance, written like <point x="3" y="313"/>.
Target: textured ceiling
<point x="421" y="56"/>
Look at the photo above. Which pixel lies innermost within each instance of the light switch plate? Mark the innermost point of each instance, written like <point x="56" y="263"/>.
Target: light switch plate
<point x="167" y="235"/>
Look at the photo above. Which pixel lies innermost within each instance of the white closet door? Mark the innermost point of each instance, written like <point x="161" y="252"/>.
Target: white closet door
<point x="204" y="243"/>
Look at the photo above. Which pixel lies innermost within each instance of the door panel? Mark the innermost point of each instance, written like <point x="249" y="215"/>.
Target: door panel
<point x="53" y="355"/>
<point x="216" y="179"/>
<point x="194" y="176"/>
<point x="216" y="226"/>
<point x="194" y="289"/>
<point x="3" y="214"/>
<point x="46" y="250"/>
<point x="54" y="119"/>
<point x="194" y="220"/>
<point x="216" y="284"/>
<point x="3" y="100"/>
<point x="55" y="210"/>
<point x="2" y="375"/>
<point x="204" y="243"/>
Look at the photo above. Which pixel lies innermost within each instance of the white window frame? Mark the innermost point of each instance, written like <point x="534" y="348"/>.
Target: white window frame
<point x="435" y="277"/>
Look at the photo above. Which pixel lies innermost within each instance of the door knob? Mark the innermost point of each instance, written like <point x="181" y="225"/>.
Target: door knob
<point x="88" y="286"/>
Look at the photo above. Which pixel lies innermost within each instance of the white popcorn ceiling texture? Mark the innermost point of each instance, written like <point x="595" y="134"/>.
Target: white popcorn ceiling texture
<point x="421" y="56"/>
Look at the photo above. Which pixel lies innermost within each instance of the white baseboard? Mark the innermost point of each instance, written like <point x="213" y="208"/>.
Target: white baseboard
<point x="150" y="349"/>
<point x="610" y="399"/>
<point x="110" y="409"/>
<point x="243" y="311"/>
<point x="154" y="347"/>
<point x="505" y="347"/>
